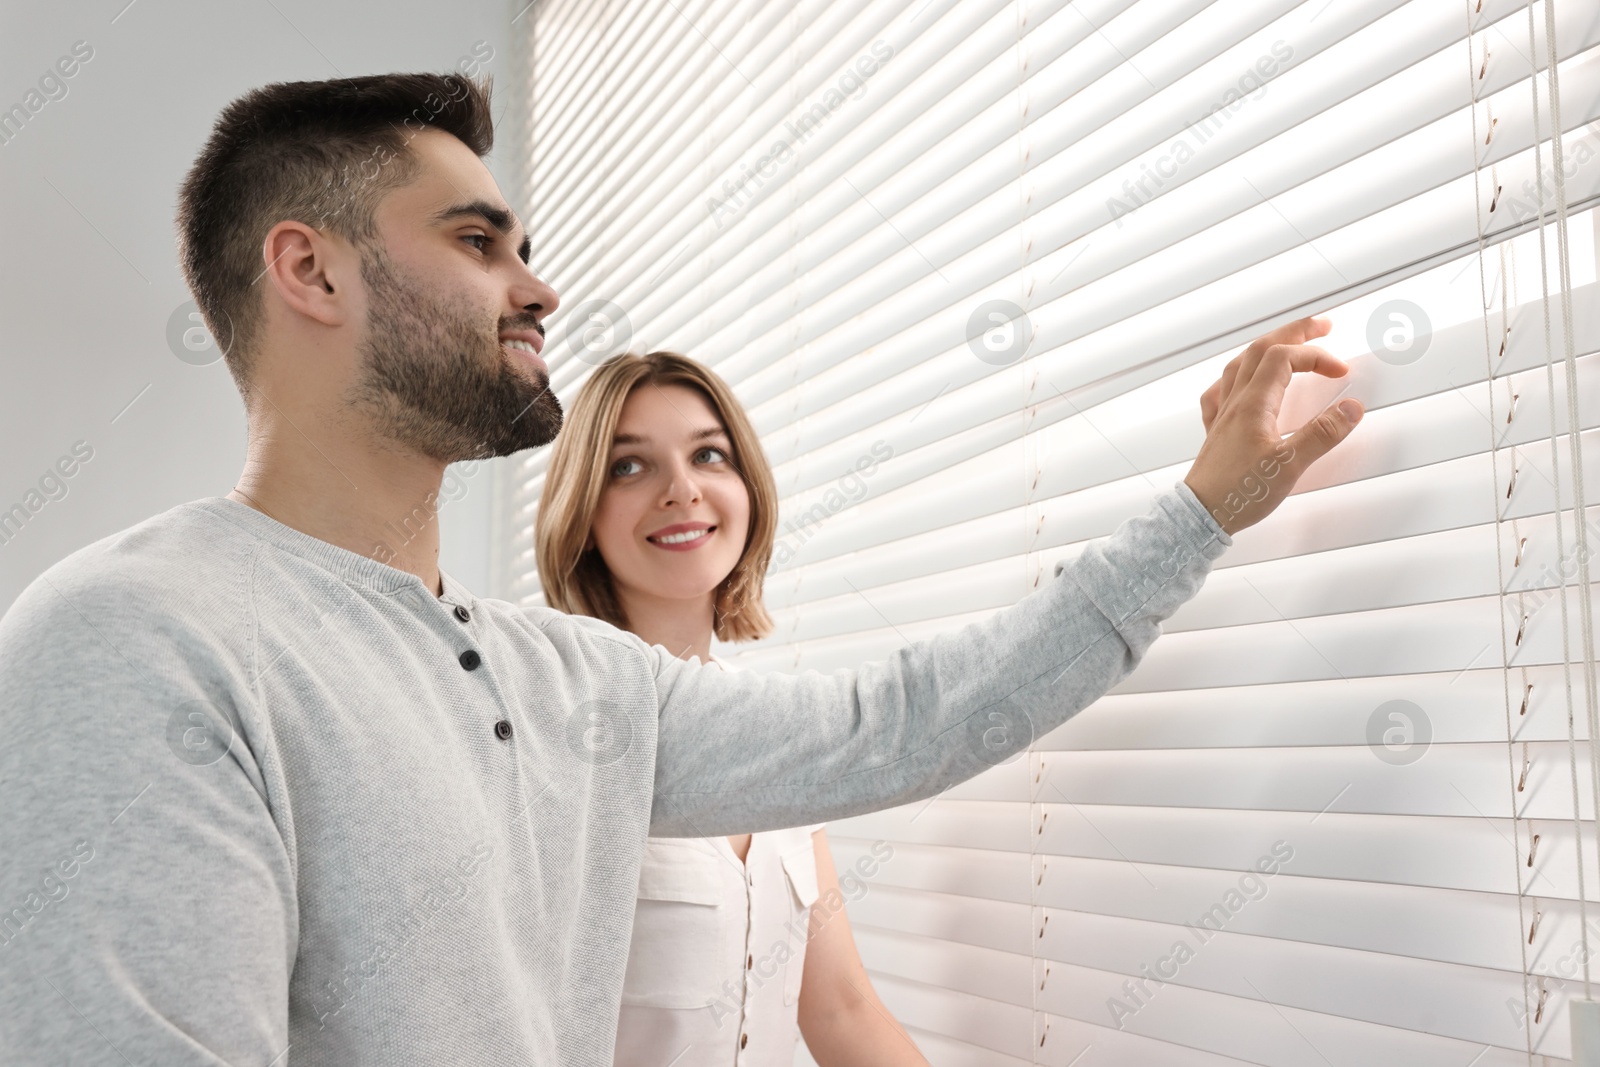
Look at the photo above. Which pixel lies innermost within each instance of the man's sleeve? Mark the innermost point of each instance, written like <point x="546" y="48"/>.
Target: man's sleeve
<point x="748" y="750"/>
<point x="147" y="907"/>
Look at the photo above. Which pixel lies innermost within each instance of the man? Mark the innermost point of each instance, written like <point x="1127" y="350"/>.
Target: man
<point x="275" y="790"/>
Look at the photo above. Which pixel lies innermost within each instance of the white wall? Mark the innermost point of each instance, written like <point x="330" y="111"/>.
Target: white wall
<point x="89" y="274"/>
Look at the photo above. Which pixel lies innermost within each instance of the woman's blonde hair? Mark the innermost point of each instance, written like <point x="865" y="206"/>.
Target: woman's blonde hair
<point x="576" y="579"/>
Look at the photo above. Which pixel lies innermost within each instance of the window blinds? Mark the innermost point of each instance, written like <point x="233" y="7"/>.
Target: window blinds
<point x="970" y="265"/>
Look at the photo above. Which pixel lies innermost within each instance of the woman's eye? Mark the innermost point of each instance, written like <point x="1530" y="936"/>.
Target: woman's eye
<point x="711" y="455"/>
<point x="624" y="467"/>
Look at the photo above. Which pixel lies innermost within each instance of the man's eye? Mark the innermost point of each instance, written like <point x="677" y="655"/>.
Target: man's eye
<point x="485" y="238"/>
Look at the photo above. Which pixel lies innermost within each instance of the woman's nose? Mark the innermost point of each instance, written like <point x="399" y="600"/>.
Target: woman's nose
<point x="682" y="489"/>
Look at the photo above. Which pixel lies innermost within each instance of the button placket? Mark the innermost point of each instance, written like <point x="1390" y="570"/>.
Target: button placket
<point x="749" y="950"/>
<point x="471" y="660"/>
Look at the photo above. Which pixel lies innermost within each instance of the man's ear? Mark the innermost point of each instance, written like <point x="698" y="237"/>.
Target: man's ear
<point x="310" y="271"/>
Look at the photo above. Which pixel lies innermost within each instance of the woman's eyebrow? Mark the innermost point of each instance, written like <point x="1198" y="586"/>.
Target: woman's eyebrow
<point x="640" y="439"/>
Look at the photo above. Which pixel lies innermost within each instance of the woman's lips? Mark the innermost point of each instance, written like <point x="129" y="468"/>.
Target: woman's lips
<point x="696" y="538"/>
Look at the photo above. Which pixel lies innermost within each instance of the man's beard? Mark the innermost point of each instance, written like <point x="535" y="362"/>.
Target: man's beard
<point x="435" y="381"/>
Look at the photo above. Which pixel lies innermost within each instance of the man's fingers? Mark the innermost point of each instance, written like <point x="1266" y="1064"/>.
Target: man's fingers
<point x="1297" y="332"/>
<point x="1230" y="375"/>
<point x="1279" y="364"/>
<point x="1242" y="369"/>
<point x="1299" y="358"/>
<point x="1314" y="440"/>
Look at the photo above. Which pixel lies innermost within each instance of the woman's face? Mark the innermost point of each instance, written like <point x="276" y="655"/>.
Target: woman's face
<point x="674" y="513"/>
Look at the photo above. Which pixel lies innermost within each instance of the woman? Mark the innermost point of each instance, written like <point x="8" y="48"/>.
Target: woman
<point x="658" y="515"/>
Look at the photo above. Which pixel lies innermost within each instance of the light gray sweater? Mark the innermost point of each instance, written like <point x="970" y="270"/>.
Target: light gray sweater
<point x="265" y="801"/>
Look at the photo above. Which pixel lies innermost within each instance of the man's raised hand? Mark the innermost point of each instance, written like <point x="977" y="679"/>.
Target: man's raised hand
<point x="1245" y="469"/>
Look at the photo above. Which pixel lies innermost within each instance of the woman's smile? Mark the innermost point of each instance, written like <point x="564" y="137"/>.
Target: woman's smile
<point x="682" y="536"/>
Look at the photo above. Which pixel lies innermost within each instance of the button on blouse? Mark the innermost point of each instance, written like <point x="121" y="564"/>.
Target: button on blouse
<point x="718" y="951"/>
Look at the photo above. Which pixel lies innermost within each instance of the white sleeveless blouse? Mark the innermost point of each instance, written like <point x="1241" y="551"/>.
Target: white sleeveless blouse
<point x="718" y="948"/>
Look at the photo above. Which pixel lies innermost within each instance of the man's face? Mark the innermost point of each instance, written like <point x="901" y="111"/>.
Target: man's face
<point x="452" y="311"/>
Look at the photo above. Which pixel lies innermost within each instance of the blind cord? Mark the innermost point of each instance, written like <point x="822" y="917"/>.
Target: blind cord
<point x="1555" y="468"/>
<point x="1494" y="459"/>
<point x="1574" y="423"/>
<point x="1584" y="1018"/>
<point x="1034" y="764"/>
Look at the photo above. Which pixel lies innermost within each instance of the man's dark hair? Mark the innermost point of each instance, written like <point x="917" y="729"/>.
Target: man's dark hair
<point x="323" y="153"/>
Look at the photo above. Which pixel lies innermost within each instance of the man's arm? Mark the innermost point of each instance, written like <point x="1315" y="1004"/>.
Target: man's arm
<point x="753" y="751"/>
<point x="749" y="751"/>
<point x="147" y="907"/>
